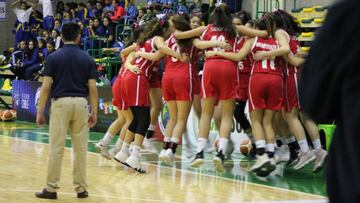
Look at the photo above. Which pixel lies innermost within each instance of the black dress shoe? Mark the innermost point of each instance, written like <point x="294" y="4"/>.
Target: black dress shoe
<point x="84" y="194"/>
<point x="46" y="194"/>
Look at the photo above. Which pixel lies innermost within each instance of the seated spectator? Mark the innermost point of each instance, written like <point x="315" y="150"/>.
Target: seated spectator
<point x="109" y="34"/>
<point x="196" y="7"/>
<point x="31" y="63"/>
<point x="50" y="46"/>
<point x="82" y="13"/>
<point x="97" y="30"/>
<point x="97" y="12"/>
<point x="57" y="25"/>
<point x="182" y="8"/>
<point x="68" y="18"/>
<point x="119" y="11"/>
<point x="141" y="15"/>
<point x="168" y="6"/>
<point x="43" y="52"/>
<point x="131" y="13"/>
<point x="55" y="35"/>
<point x="18" y="58"/>
<point x="85" y="34"/>
<point x="108" y="8"/>
<point x="154" y="4"/>
<point x="46" y="35"/>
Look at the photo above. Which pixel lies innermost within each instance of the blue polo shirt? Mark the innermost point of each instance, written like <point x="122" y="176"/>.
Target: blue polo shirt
<point x="70" y="68"/>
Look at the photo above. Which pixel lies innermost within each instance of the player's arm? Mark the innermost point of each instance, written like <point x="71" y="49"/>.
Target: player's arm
<point x="132" y="68"/>
<point x="190" y="33"/>
<point x="110" y="49"/>
<point x="150" y="56"/>
<point x="164" y="49"/>
<point x="242" y="29"/>
<point x="283" y="50"/>
<point x="126" y="51"/>
<point x="294" y="60"/>
<point x="238" y="56"/>
<point x="209" y="44"/>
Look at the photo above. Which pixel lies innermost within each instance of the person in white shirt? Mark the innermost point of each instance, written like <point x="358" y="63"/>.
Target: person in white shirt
<point x="22" y="29"/>
<point x="48" y="14"/>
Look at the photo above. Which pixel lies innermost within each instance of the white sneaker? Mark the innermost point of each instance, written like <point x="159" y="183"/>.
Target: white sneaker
<point x="304" y="159"/>
<point x="121" y="157"/>
<point x="135" y="164"/>
<point x="321" y="157"/>
<point x="113" y="152"/>
<point x="261" y="163"/>
<point x="103" y="150"/>
<point x="189" y="151"/>
<point x="282" y="154"/>
<point x="149" y="146"/>
<point x="169" y="157"/>
<point x="131" y="147"/>
<point x="162" y="155"/>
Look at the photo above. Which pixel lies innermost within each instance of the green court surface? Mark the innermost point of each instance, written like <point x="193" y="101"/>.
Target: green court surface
<point x="236" y="168"/>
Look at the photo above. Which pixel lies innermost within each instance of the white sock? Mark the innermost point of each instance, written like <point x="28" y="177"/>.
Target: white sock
<point x="167" y="139"/>
<point x="303" y="145"/>
<point x="290" y="140"/>
<point x="223" y="142"/>
<point x="152" y="127"/>
<point x="175" y="140"/>
<point x="136" y="151"/>
<point x="106" y="139"/>
<point x="317" y="144"/>
<point x="125" y="148"/>
<point x="201" y="145"/>
<point x="118" y="145"/>
<point x="260" y="144"/>
<point x="270" y="148"/>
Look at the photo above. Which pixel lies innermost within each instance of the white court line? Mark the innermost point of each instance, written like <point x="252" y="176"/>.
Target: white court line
<point x="90" y="195"/>
<point x="208" y="175"/>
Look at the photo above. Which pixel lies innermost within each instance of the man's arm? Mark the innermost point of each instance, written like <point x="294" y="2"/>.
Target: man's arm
<point x="44" y="95"/>
<point x="94" y="98"/>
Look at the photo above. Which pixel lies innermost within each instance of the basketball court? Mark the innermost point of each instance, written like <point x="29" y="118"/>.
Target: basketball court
<point x="23" y="166"/>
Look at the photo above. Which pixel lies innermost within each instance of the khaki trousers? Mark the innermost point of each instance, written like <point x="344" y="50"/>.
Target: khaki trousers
<point x="68" y="112"/>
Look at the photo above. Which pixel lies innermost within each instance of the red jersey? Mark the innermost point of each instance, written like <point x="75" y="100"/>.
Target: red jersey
<point x="246" y="64"/>
<point x="213" y="33"/>
<point x="145" y="65"/>
<point x="122" y="69"/>
<point x="294" y="48"/>
<point x="173" y="67"/>
<point x="273" y="66"/>
<point x="195" y="57"/>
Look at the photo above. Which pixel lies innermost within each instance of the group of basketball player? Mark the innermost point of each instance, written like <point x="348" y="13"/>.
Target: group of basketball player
<point x="256" y="62"/>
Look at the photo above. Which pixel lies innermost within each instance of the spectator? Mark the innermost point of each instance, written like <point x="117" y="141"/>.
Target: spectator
<point x="68" y="18"/>
<point x="22" y="28"/>
<point x="60" y="7"/>
<point x="131" y="13"/>
<point x="82" y="13"/>
<point x="32" y="63"/>
<point x="36" y="23"/>
<point x="57" y="25"/>
<point x="98" y="29"/>
<point x="50" y="46"/>
<point x="118" y="11"/>
<point x="42" y="49"/>
<point x="98" y="10"/>
<point x="109" y="33"/>
<point x="109" y="8"/>
<point x="84" y="35"/>
<point x="196" y="7"/>
<point x="55" y="35"/>
<point x="48" y="14"/>
<point x="18" y="57"/>
<point x="182" y="8"/>
<point x="169" y="6"/>
<point x="46" y="35"/>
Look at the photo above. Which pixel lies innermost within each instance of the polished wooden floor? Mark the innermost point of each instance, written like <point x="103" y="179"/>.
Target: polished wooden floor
<point x="23" y="166"/>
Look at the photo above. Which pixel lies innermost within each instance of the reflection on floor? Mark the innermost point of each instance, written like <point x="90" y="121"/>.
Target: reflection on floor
<point x="236" y="175"/>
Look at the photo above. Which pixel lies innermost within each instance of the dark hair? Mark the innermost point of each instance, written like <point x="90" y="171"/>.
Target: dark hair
<point x="29" y="52"/>
<point x="286" y="22"/>
<point x="134" y="36"/>
<point x="60" y="7"/>
<point x="43" y="41"/>
<point x="51" y="42"/>
<point x="252" y="23"/>
<point x="222" y="18"/>
<point x="70" y="31"/>
<point x="244" y="17"/>
<point x="154" y="27"/>
<point x="267" y="22"/>
<point x="182" y="23"/>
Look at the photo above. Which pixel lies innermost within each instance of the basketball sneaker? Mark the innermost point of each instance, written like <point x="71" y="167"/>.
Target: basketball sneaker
<point x="219" y="161"/>
<point x="104" y="152"/>
<point x="121" y="157"/>
<point x="261" y="163"/>
<point x="134" y="163"/>
<point x="321" y="157"/>
<point x="270" y="167"/>
<point x="169" y="157"/>
<point x="304" y="159"/>
<point x="282" y="154"/>
<point x="198" y="160"/>
<point x="162" y="155"/>
<point x="149" y="146"/>
<point x="189" y="150"/>
<point x="294" y="158"/>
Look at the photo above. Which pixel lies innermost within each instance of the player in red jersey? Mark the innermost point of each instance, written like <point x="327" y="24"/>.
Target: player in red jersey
<point x="292" y="104"/>
<point x="136" y="89"/>
<point x="124" y="114"/>
<point x="265" y="90"/>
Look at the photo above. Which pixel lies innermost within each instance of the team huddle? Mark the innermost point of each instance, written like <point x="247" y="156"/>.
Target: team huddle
<point x="255" y="62"/>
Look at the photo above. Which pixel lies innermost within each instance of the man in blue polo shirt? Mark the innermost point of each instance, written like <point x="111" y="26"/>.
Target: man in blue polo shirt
<point x="69" y="78"/>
